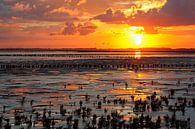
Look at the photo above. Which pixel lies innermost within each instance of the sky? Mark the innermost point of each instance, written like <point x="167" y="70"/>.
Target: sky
<point x="97" y="23"/>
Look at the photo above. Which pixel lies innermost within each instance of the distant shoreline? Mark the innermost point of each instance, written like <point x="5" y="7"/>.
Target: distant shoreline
<point x="188" y="50"/>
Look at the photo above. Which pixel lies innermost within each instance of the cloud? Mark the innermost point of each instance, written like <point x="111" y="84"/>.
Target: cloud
<point x="69" y="29"/>
<point x="46" y="10"/>
<point x="62" y="10"/>
<point x="38" y="10"/>
<point x="173" y="13"/>
<point x="86" y="28"/>
<point x="82" y="29"/>
<point x="74" y="3"/>
<point x="148" y="13"/>
<point x="98" y="6"/>
<point x="112" y="16"/>
<point x="21" y="7"/>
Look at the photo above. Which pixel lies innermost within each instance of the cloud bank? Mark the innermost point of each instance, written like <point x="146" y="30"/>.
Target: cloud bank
<point x="173" y="13"/>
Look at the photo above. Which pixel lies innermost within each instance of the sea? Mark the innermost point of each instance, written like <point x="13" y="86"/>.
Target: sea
<point x="30" y="55"/>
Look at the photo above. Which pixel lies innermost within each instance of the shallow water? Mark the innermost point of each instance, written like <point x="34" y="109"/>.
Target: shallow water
<point x="21" y="55"/>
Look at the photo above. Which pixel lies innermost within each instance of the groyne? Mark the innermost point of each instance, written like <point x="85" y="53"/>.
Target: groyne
<point x="144" y="63"/>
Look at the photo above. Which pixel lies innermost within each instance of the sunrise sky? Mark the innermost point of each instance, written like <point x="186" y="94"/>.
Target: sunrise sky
<point x="97" y="23"/>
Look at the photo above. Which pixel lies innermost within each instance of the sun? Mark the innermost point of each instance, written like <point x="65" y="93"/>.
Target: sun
<point x="136" y="34"/>
<point x="137" y="39"/>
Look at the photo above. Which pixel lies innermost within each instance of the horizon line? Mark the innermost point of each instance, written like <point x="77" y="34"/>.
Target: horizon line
<point x="149" y="49"/>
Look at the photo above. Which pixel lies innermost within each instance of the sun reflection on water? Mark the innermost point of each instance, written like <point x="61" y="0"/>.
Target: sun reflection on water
<point x="137" y="55"/>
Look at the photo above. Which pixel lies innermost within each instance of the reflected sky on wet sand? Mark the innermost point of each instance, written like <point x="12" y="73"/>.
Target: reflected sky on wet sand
<point x="69" y="88"/>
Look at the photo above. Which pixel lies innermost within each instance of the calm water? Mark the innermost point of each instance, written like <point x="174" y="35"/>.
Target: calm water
<point x="71" y="55"/>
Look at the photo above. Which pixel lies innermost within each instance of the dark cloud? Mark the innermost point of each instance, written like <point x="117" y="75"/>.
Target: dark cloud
<point x="173" y="13"/>
<point x="86" y="28"/>
<point x="112" y="16"/>
<point x="69" y="29"/>
<point x="82" y="29"/>
<point x="34" y="10"/>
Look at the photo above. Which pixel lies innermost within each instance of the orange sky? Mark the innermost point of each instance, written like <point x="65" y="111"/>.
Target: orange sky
<point x="97" y="23"/>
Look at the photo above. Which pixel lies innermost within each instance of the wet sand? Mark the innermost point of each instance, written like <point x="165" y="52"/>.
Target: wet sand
<point x="49" y="90"/>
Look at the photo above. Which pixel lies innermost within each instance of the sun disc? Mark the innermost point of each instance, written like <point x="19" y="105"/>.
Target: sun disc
<point x="138" y="39"/>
